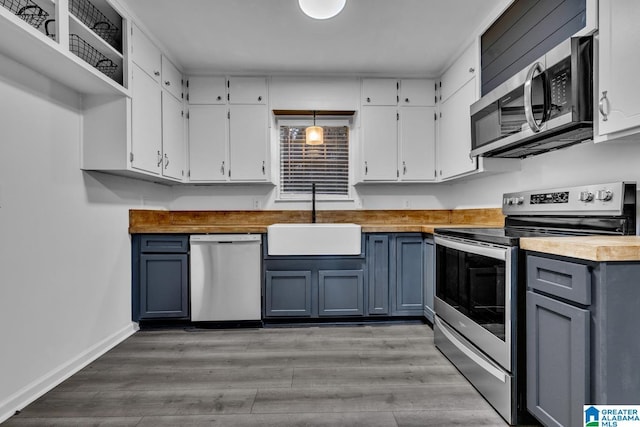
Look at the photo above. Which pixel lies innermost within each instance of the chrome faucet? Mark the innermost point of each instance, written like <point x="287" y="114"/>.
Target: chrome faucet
<point x="313" y="203"/>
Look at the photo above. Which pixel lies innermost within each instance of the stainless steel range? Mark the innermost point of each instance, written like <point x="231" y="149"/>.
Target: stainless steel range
<point x="480" y="287"/>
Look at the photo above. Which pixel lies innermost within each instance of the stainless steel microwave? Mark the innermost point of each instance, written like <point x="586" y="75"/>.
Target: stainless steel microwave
<point x="546" y="106"/>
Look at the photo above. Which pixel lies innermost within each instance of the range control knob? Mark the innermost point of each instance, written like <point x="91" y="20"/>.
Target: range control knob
<point x="604" y="195"/>
<point x="586" y="196"/>
<point x="520" y="201"/>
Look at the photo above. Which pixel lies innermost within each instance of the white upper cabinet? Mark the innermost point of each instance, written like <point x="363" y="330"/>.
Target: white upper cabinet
<point x="417" y="144"/>
<point x="618" y="90"/>
<point x="146" y="122"/>
<point x="247" y="90"/>
<point x="398" y="130"/>
<point x="208" y="142"/>
<point x="205" y="90"/>
<point x="454" y="142"/>
<point x="379" y="126"/>
<point x="173" y="147"/>
<point x="248" y="142"/>
<point x="459" y="74"/>
<point x="171" y="78"/>
<point x="379" y="92"/>
<point x="417" y="93"/>
<point x="228" y="136"/>
<point x="145" y="54"/>
<point x="458" y="91"/>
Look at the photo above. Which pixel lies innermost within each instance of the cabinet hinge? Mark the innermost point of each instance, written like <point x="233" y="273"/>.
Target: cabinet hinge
<point x="435" y="116"/>
<point x="228" y="84"/>
<point x="181" y="82"/>
<point x="187" y="85"/>
<point x="229" y="115"/>
<point x="441" y="115"/>
<point x="189" y="173"/>
<point x="397" y="173"/>
<point x="435" y="173"/>
<point x="397" y="116"/>
<point x="182" y="113"/>
<point x="188" y="115"/>
<point x="397" y="85"/>
<point x="435" y="98"/>
<point x="228" y="98"/>
<point x="131" y="156"/>
<point x="183" y="173"/>
<point x="229" y="173"/>
<point x="187" y="97"/>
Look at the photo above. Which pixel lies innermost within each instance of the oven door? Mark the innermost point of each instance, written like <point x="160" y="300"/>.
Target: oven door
<point x="474" y="292"/>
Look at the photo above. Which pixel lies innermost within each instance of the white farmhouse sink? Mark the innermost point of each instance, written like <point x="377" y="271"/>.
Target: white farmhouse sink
<point x="314" y="239"/>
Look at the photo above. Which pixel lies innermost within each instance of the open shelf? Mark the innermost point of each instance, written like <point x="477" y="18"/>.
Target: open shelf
<point x="31" y="47"/>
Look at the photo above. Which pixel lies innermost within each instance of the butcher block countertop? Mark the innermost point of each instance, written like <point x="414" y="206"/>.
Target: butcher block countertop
<point x="592" y="248"/>
<point x="371" y="221"/>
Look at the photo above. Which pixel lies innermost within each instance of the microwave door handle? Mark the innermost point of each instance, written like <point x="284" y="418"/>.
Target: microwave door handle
<point x="528" y="101"/>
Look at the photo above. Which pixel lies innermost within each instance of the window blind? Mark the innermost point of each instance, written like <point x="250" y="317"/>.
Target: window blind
<point x="301" y="165"/>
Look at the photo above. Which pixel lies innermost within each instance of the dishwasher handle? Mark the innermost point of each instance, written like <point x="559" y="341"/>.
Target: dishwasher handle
<point x="226" y="238"/>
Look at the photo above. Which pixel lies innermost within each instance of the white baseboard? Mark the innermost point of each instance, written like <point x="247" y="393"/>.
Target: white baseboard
<point x="40" y="386"/>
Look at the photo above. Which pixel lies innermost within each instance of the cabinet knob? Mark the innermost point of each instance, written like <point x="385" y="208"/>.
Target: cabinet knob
<point x="259" y="98"/>
<point x="219" y="98"/>
<point x="167" y="83"/>
<point x="156" y="73"/>
<point x="472" y="70"/>
<point x="368" y="99"/>
<point x="406" y="100"/>
<point x="601" y="106"/>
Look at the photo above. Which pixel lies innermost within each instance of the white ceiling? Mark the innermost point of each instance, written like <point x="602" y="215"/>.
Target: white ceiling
<point x="369" y="37"/>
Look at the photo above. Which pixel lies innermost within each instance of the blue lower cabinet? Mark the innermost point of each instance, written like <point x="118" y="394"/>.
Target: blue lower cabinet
<point x="288" y="294"/>
<point x="341" y="292"/>
<point x="378" y="273"/>
<point x="407" y="298"/>
<point x="164" y="286"/>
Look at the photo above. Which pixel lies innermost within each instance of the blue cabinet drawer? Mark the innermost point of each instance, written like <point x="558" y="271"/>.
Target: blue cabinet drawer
<point x="567" y="280"/>
<point x="167" y="243"/>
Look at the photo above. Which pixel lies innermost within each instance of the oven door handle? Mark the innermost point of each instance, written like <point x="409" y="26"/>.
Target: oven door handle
<point x="484" y="364"/>
<point x="488" y="251"/>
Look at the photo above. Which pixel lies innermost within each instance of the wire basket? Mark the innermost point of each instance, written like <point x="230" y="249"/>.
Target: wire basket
<point x="93" y="56"/>
<point x="27" y="10"/>
<point x="91" y="16"/>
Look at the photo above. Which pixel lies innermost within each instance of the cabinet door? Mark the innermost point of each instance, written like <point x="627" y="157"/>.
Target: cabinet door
<point x="146" y="122"/>
<point x="460" y="72"/>
<point x="378" y="273"/>
<point x="207" y="90"/>
<point x="340" y="293"/>
<point x="288" y="293"/>
<point x="208" y="133"/>
<point x="417" y="93"/>
<point x="454" y="142"/>
<point x="408" y="291"/>
<point x="171" y="78"/>
<point x="429" y="271"/>
<point x="173" y="147"/>
<point x="557" y="360"/>
<point x="247" y="90"/>
<point x="145" y="54"/>
<point x="379" y="92"/>
<point x="164" y="286"/>
<point x="380" y="143"/>
<point x="417" y="144"/>
<point x="619" y="90"/>
<point x="248" y="131"/>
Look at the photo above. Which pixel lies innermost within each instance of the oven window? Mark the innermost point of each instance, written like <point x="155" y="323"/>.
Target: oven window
<point x="474" y="285"/>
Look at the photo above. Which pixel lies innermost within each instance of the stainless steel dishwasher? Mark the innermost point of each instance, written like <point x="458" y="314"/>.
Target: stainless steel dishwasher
<point x="225" y="277"/>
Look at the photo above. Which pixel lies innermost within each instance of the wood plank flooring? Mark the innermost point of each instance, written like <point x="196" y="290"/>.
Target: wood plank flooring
<point x="373" y="375"/>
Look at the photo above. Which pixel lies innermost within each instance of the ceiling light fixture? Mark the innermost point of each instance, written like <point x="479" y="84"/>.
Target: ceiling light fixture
<point x="321" y="9"/>
<point x="314" y="134"/>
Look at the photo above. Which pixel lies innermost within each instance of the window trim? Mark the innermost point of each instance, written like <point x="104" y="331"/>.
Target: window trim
<point x="308" y="121"/>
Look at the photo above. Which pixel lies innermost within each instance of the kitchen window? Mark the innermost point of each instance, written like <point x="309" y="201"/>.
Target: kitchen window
<point x="326" y="165"/>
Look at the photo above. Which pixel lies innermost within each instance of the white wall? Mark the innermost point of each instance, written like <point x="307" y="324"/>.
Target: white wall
<point x="65" y="270"/>
<point x="586" y="163"/>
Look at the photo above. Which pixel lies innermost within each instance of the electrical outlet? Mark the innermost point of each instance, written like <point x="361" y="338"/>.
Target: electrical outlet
<point x="256" y="204"/>
<point x="406" y="204"/>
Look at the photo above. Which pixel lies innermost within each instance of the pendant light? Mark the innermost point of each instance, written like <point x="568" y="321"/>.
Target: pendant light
<point x="321" y="9"/>
<point x="314" y="134"/>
